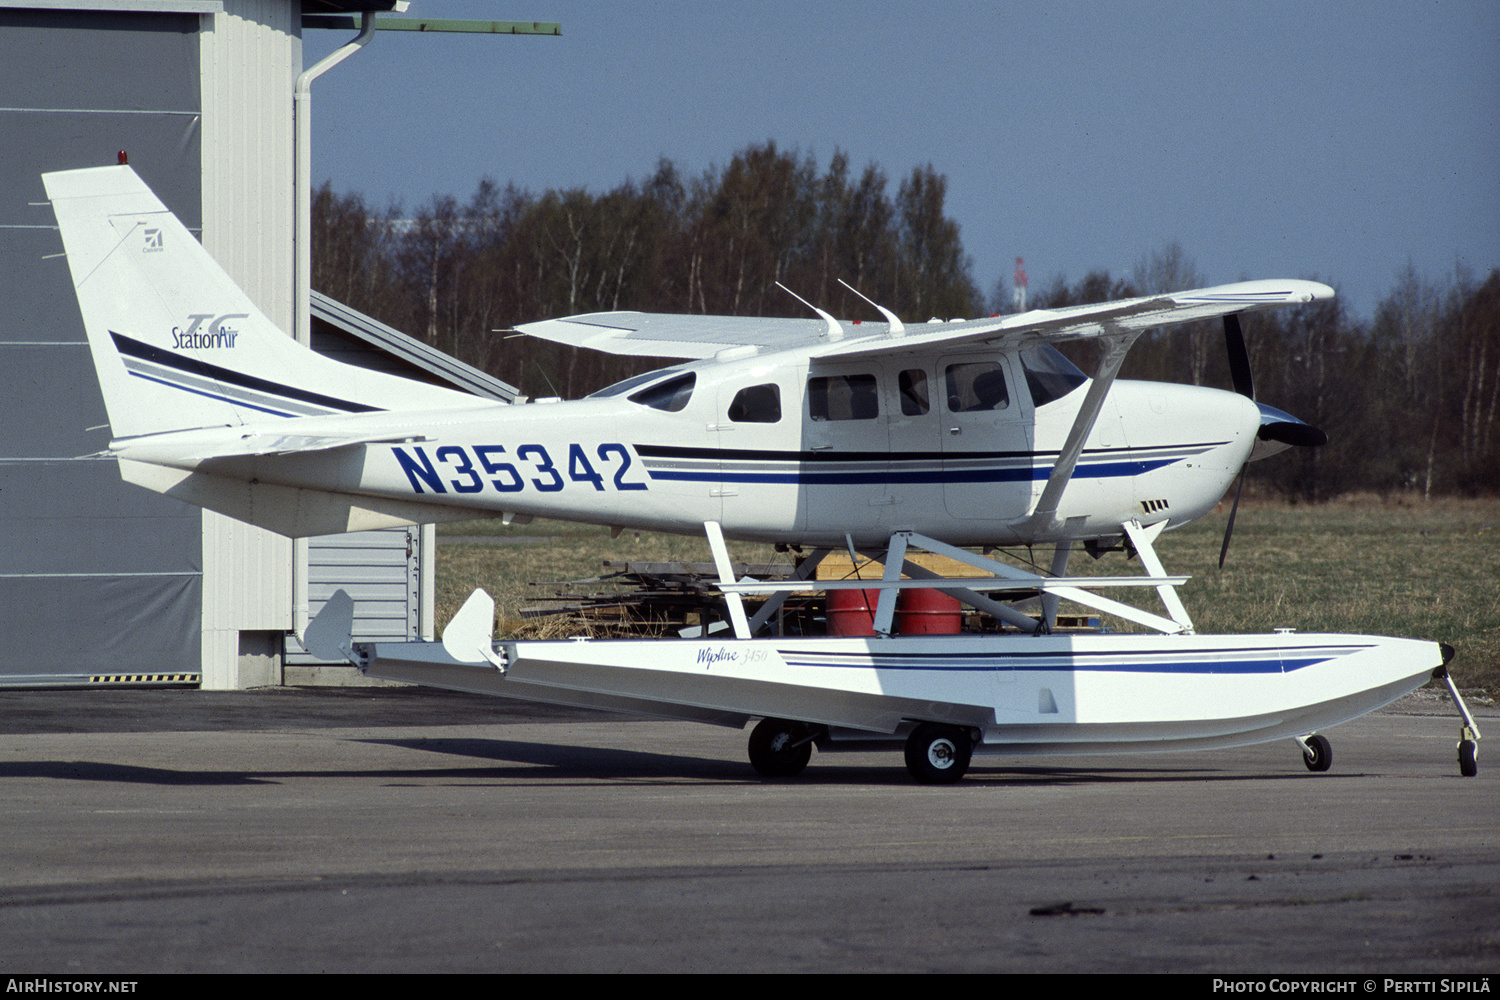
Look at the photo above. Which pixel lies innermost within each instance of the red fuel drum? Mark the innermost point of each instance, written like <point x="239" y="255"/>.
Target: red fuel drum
<point x="852" y="612"/>
<point x="926" y="611"/>
<point x="921" y="611"/>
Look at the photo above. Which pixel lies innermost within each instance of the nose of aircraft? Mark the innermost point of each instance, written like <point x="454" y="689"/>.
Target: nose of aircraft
<point x="1280" y="430"/>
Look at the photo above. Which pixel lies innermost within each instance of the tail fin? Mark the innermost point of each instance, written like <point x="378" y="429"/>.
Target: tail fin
<point x="176" y="344"/>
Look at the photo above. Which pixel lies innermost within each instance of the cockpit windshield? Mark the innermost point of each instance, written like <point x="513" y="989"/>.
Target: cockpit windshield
<point x="671" y="395"/>
<point x="1049" y="375"/>
<point x="662" y="390"/>
<point x="625" y="385"/>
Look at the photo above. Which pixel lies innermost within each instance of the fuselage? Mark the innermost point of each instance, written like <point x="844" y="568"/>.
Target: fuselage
<point x="785" y="448"/>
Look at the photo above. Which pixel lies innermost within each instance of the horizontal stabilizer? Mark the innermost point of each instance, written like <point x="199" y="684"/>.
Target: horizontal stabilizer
<point x="288" y="510"/>
<point x="186" y="448"/>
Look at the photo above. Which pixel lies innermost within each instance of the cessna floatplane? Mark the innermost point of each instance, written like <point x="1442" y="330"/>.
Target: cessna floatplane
<point x="875" y="438"/>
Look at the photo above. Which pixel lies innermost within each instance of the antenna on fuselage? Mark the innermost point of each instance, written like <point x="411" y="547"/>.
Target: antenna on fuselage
<point x="543" y="372"/>
<point x="835" y="332"/>
<point x="897" y="329"/>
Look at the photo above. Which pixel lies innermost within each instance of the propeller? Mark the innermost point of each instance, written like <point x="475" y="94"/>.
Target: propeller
<point x="1233" y="510"/>
<point x="1278" y="429"/>
<point x="1239" y="357"/>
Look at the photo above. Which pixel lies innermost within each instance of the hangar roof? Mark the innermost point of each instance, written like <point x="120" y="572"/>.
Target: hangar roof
<point x="352" y="337"/>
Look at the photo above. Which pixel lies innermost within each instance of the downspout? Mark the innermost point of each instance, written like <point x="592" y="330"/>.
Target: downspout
<point x="302" y="191"/>
<point x="302" y="181"/>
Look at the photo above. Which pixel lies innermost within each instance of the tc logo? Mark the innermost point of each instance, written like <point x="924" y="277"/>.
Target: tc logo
<point x="216" y="334"/>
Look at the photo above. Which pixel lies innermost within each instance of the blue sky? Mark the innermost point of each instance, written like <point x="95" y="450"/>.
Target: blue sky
<point x="1270" y="139"/>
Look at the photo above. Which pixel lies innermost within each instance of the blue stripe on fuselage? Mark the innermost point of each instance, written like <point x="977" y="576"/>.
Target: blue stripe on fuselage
<point x="1101" y="470"/>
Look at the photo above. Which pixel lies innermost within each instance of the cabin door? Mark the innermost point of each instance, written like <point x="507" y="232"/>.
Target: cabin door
<point x="845" y="451"/>
<point x="986" y="438"/>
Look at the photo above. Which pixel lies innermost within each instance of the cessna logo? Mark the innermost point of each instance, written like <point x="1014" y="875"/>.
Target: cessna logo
<point x="153" y="240"/>
<point x="206" y="332"/>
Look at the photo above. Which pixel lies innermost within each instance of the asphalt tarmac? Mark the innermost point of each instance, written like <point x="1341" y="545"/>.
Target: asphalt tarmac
<point x="358" y="830"/>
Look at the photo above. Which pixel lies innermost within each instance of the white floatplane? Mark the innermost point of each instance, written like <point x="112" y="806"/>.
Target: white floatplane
<point x="875" y="438"/>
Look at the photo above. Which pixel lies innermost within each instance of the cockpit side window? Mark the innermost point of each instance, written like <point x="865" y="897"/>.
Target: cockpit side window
<point x="977" y="385"/>
<point x="671" y="395"/>
<point x="1049" y="375"/>
<point x="843" y="397"/>
<point x="756" y="404"/>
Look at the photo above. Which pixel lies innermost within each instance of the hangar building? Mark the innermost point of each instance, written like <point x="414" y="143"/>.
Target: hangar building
<point x="102" y="582"/>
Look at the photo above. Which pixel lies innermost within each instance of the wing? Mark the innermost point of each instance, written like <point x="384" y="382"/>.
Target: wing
<point x="669" y="335"/>
<point x="1122" y="317"/>
<point x="698" y="337"/>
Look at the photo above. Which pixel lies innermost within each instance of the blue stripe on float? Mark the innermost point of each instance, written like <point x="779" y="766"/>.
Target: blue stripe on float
<point x="1275" y="666"/>
<point x="1150" y="662"/>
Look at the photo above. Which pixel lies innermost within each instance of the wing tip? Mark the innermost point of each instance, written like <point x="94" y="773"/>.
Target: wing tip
<point x="1289" y="291"/>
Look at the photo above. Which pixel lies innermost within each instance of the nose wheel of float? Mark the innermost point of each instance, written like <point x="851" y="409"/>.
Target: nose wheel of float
<point x="1468" y="754"/>
<point x="1468" y="736"/>
<point x="1317" y="752"/>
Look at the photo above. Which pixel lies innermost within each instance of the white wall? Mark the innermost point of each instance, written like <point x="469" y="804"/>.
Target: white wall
<point x="250" y="56"/>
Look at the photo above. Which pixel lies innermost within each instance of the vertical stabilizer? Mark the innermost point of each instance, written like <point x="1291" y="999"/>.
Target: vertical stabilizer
<point x="176" y="344"/>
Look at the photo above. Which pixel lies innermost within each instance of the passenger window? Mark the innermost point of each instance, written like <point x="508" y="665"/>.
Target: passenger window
<point x="843" y="397"/>
<point x="671" y="395"/>
<point x="977" y="385"/>
<point x="914" y="399"/>
<point x="757" y="404"/>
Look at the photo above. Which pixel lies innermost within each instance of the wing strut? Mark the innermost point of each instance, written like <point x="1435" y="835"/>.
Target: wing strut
<point x="1116" y="346"/>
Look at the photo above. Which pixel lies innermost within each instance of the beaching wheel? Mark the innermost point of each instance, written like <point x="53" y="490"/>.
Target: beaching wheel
<point x="937" y="754"/>
<point x="780" y="749"/>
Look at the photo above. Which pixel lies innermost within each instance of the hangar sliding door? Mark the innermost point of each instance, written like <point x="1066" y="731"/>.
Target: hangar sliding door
<point x="99" y="581"/>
